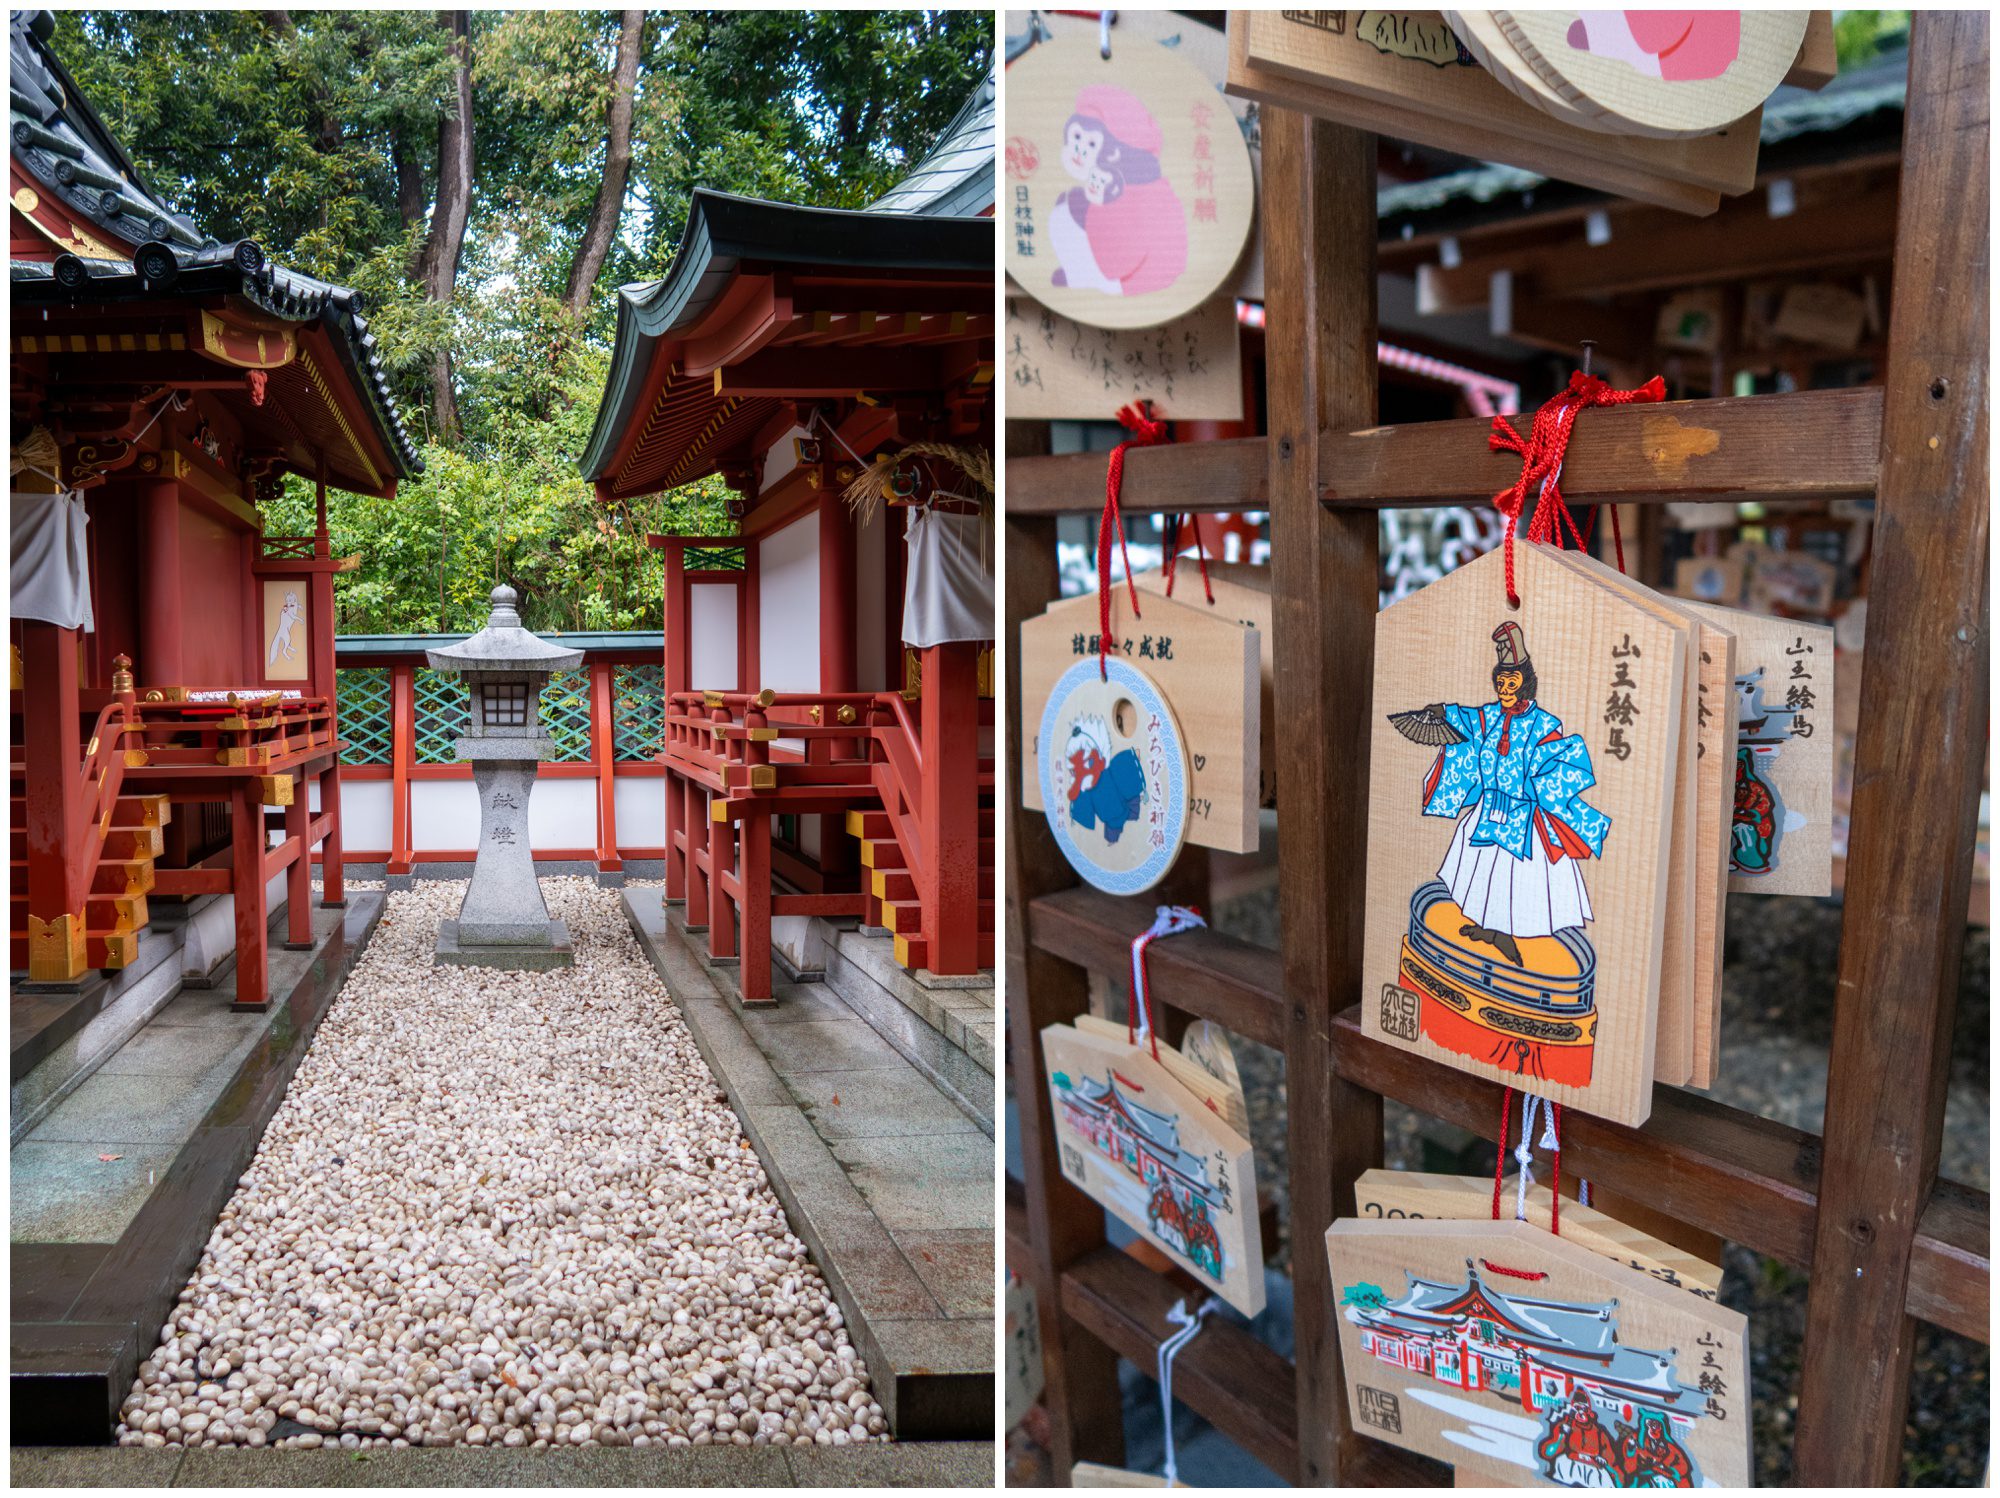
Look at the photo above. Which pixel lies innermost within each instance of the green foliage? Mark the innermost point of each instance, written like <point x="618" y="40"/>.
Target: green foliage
<point x="289" y="127"/>
<point x="1859" y="36"/>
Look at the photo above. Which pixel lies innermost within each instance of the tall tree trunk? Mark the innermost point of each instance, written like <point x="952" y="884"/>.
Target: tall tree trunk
<point x="603" y="225"/>
<point x="409" y="188"/>
<point x="438" y="266"/>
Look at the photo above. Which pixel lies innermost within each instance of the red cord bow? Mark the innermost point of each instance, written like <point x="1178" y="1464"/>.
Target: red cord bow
<point x="1542" y="459"/>
<point x="1137" y="419"/>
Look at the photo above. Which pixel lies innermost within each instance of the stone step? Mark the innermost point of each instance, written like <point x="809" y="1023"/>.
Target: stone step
<point x="945" y="1027"/>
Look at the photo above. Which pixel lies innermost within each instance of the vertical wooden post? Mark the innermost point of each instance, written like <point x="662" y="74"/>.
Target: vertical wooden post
<point x="603" y="756"/>
<point x="1086" y="1422"/>
<point x="1319" y="259"/>
<point x="246" y="883"/>
<point x="721" y="860"/>
<point x="333" y="872"/>
<point x="949" y="815"/>
<point x="696" y="822"/>
<point x="402" y="762"/>
<point x="325" y="683"/>
<point x="750" y="631"/>
<point x="52" y="761"/>
<point x="298" y="874"/>
<point x="754" y="973"/>
<point x="1917" y="775"/>
<point x="674" y="678"/>
<point x="160" y="649"/>
<point x="838" y="668"/>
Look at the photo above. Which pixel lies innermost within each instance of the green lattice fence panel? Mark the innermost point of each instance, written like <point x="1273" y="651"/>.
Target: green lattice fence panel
<point x="443" y="705"/>
<point x="566" y="715"/>
<point x="713" y="559"/>
<point x="638" y="711"/>
<point x="363" y="701"/>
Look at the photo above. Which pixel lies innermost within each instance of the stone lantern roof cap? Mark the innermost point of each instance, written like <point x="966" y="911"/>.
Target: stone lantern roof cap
<point x="504" y="645"/>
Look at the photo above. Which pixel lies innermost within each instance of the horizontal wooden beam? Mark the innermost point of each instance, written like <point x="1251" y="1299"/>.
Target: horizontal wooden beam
<point x="1196" y="476"/>
<point x="1225" y="1374"/>
<point x="1652" y="250"/>
<point x="1748" y="1179"/>
<point x="1203" y="973"/>
<point x="1746" y="447"/>
<point x="822" y="373"/>
<point x="1743" y="447"/>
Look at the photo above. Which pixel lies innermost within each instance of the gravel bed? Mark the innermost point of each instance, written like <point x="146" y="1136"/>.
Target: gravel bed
<point x="503" y="1209"/>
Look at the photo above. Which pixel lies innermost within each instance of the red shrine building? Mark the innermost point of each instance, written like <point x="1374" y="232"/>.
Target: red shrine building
<point x="828" y="739"/>
<point x="172" y="665"/>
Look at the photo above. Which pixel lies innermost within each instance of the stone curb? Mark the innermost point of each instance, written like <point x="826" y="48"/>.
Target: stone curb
<point x="926" y="1464"/>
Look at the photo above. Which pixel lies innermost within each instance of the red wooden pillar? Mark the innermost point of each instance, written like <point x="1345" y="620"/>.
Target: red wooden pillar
<point x="402" y="762"/>
<point x="320" y="629"/>
<point x="696" y="823"/>
<point x="755" y="875"/>
<point x="721" y="862"/>
<point x="949" y="814"/>
<point x="603" y="755"/>
<point x="674" y="678"/>
<point x="52" y="759"/>
<point x="246" y="838"/>
<point x="298" y="875"/>
<point x="839" y="669"/>
<point x="333" y="886"/>
<point x="160" y="660"/>
<point x="750" y="641"/>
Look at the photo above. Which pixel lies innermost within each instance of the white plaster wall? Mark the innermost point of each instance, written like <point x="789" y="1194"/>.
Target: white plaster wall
<point x="365" y="809"/>
<point x="444" y="816"/>
<point x="809" y="836"/>
<point x="641" y="808"/>
<point x="563" y="814"/>
<point x="873" y="608"/>
<point x="788" y="607"/>
<point x="780" y="459"/>
<point x="712" y="637"/>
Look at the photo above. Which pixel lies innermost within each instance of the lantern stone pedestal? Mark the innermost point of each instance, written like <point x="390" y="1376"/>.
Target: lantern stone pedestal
<point x="503" y="921"/>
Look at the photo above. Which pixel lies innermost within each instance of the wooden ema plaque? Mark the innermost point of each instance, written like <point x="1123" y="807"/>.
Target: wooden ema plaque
<point x="1242" y="593"/>
<point x="1204" y="664"/>
<point x="1129" y="194"/>
<point x="1781" y="827"/>
<point x="1191" y="368"/>
<point x="1522" y="766"/>
<point x="1404" y="73"/>
<point x="1137" y="1140"/>
<point x="1708" y="780"/>
<point x="1517" y="1355"/>
<point x="1403" y="1195"/>
<point x="1664" y="73"/>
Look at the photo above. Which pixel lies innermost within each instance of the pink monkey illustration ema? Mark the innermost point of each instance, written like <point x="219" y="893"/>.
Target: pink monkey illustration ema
<point x="1675" y="45"/>
<point x="1122" y="230"/>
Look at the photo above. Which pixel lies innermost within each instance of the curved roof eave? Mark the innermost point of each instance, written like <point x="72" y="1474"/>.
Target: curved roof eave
<point x="723" y="230"/>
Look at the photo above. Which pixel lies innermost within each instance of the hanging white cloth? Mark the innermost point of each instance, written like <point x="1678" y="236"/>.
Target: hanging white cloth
<point x="51" y="566"/>
<point x="948" y="587"/>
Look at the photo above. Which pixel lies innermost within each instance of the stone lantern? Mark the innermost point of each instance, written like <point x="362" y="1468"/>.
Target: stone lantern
<point x="503" y="921"/>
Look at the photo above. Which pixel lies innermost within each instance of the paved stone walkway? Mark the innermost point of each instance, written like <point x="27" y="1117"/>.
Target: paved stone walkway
<point x="888" y="1181"/>
<point x="141" y="1106"/>
<point x="904" y="1465"/>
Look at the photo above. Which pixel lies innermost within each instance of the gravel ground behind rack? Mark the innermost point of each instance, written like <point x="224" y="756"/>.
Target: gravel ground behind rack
<point x="503" y="1209"/>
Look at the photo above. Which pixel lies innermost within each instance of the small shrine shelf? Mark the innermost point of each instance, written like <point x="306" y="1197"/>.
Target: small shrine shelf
<point x="1859" y="1206"/>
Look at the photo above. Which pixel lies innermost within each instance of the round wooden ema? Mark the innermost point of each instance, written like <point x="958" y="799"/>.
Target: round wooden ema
<point x="1480" y="34"/>
<point x="1663" y="73"/>
<point x="1114" y="776"/>
<point x="1129" y="192"/>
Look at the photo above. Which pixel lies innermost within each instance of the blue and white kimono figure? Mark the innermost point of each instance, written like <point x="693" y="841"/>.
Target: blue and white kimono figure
<point x="1516" y="784"/>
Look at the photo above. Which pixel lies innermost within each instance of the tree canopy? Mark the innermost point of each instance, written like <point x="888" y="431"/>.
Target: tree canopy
<point x="453" y="168"/>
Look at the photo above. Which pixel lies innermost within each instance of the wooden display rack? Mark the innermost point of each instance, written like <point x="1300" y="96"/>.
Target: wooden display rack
<point x="1860" y="1207"/>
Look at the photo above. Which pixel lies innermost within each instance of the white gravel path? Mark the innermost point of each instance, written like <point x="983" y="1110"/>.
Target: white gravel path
<point x="503" y="1209"/>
